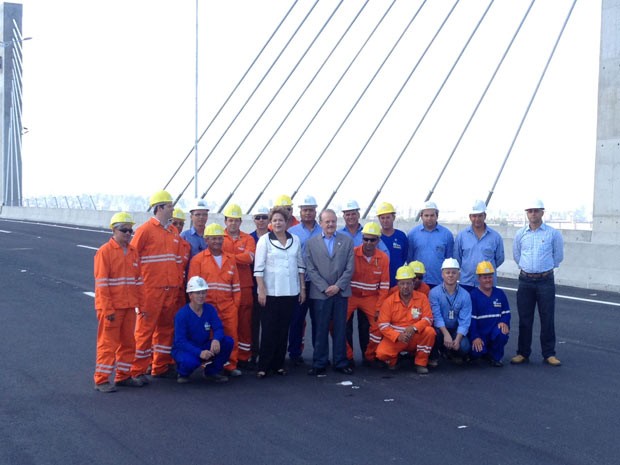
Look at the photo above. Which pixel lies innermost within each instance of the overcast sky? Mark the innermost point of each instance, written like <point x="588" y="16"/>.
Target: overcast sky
<point x="109" y="100"/>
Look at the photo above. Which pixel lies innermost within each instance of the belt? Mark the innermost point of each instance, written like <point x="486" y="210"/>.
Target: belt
<point x="536" y="275"/>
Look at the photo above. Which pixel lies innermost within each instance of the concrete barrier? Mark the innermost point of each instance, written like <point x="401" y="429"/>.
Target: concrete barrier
<point x="586" y="264"/>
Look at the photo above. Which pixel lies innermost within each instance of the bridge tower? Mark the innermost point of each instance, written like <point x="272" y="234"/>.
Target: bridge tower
<point x="11" y="104"/>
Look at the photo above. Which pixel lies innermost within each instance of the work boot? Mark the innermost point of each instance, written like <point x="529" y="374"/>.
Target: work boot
<point x="105" y="387"/>
<point x="233" y="373"/>
<point x="170" y="373"/>
<point x="421" y="370"/>
<point x="130" y="382"/>
<point x="519" y="359"/>
<point x="553" y="361"/>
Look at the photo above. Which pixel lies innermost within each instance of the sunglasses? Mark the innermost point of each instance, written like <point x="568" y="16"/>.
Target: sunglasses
<point x="370" y="239"/>
<point x="126" y="230"/>
<point x="178" y="223"/>
<point x="261" y="217"/>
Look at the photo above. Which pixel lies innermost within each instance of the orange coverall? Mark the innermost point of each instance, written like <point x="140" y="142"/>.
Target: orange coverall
<point x="424" y="289"/>
<point x="162" y="272"/>
<point x="395" y="317"/>
<point x="369" y="288"/>
<point x="224" y="292"/>
<point x="118" y="292"/>
<point x="243" y="249"/>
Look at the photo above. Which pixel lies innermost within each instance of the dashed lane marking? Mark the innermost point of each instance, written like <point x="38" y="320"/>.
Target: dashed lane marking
<point x="90" y="294"/>
<point x="87" y="247"/>
<point x="569" y="297"/>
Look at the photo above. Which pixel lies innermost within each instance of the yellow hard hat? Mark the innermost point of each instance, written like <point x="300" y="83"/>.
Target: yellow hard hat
<point x="121" y="217"/>
<point x="160" y="197"/>
<point x="385" y="208"/>
<point x="233" y="210"/>
<point x="404" y="272"/>
<point x="417" y="267"/>
<point x="372" y="228"/>
<point x="283" y="201"/>
<point x="178" y="214"/>
<point x="485" y="268"/>
<point x="214" y="229"/>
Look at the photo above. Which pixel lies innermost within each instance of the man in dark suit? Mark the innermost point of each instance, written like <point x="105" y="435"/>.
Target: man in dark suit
<point x="329" y="266"/>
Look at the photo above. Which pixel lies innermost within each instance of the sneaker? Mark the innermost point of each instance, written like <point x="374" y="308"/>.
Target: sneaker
<point x="519" y="359"/>
<point x="145" y="379"/>
<point x="433" y="363"/>
<point x="217" y="378"/>
<point x="105" y="387"/>
<point x="233" y="373"/>
<point x="421" y="370"/>
<point x="183" y="379"/>
<point x="130" y="382"/>
<point x="170" y="373"/>
<point x="553" y="361"/>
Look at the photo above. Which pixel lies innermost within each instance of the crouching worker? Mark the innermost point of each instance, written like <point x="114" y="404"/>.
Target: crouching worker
<point x="199" y="339"/>
<point x="406" y="321"/>
<point x="490" y="317"/>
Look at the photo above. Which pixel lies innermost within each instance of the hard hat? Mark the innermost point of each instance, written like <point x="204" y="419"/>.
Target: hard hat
<point x="450" y="263"/>
<point x="485" y="268"/>
<point x="260" y="210"/>
<point x="283" y="201"/>
<point x="385" y="208"/>
<point x="178" y="214"/>
<point x="121" y="217"/>
<point x="308" y="201"/>
<point x="404" y="272"/>
<point x="430" y="205"/>
<point x="199" y="204"/>
<point x="478" y="207"/>
<point x="214" y="229"/>
<point x="351" y="205"/>
<point x="233" y="210"/>
<point x="372" y="228"/>
<point x="195" y="284"/>
<point x="537" y="203"/>
<point x="417" y="267"/>
<point x="160" y="197"/>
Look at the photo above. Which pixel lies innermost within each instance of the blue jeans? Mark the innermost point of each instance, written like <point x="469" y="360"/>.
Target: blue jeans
<point x="297" y="330"/>
<point x="532" y="292"/>
<point x="323" y="312"/>
<point x="464" y="346"/>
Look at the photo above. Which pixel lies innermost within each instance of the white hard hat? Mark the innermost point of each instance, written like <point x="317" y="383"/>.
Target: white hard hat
<point x="196" y="283"/>
<point x="351" y="205"/>
<point x="537" y="203"/>
<point x="199" y="204"/>
<point x="429" y="205"/>
<point x="450" y="263"/>
<point x="479" y="207"/>
<point x="308" y="201"/>
<point x="260" y="210"/>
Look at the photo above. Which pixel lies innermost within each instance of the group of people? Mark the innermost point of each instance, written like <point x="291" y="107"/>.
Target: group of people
<point x="170" y="300"/>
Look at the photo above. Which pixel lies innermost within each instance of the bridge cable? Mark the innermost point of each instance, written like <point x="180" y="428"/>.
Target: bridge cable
<point x="321" y="107"/>
<point x="529" y="105"/>
<point x="260" y="154"/>
<point x="474" y="112"/>
<point x="248" y="99"/>
<point x="232" y="156"/>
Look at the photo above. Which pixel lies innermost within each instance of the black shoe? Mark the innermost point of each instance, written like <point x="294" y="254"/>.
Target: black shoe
<point x="496" y="363"/>
<point x="345" y="370"/>
<point x="297" y="361"/>
<point x="351" y="363"/>
<point x="130" y="382"/>
<point x="317" y="372"/>
<point x="170" y="373"/>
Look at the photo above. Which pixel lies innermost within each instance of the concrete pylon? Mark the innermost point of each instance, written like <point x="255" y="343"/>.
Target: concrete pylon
<point x="10" y="104"/>
<point x="606" y="214"/>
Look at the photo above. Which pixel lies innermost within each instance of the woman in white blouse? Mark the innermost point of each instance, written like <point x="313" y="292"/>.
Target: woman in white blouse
<point x="279" y="271"/>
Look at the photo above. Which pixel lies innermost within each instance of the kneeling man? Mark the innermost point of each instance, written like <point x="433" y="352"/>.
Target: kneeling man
<point x="406" y="322"/>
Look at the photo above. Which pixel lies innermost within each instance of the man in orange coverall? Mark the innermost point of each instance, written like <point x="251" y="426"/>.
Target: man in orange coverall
<point x="369" y="287"/>
<point x="158" y="245"/>
<point x="219" y="270"/>
<point x="243" y="248"/>
<point x="118" y="292"/>
<point x="406" y="321"/>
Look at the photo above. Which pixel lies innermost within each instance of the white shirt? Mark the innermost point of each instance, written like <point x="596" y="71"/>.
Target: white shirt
<point x="279" y="265"/>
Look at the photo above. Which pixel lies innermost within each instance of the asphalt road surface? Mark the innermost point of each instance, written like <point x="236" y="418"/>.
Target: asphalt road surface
<point x="50" y="413"/>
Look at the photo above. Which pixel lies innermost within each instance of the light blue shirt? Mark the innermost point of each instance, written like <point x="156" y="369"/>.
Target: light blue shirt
<point x="329" y="243"/>
<point x="538" y="250"/>
<point x="304" y="233"/>
<point x="197" y="242"/>
<point x="430" y="248"/>
<point x="357" y="239"/>
<point x="469" y="251"/>
<point x="451" y="311"/>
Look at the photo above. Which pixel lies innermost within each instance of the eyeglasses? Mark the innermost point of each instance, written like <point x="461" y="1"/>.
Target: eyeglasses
<point x="261" y="217"/>
<point x="370" y="239"/>
<point x="126" y="230"/>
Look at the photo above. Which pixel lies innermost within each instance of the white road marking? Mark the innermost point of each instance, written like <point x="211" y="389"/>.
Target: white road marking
<point x="5" y="232"/>
<point x="91" y="294"/>
<point x="77" y="228"/>
<point x="87" y="247"/>
<point x="568" y="297"/>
